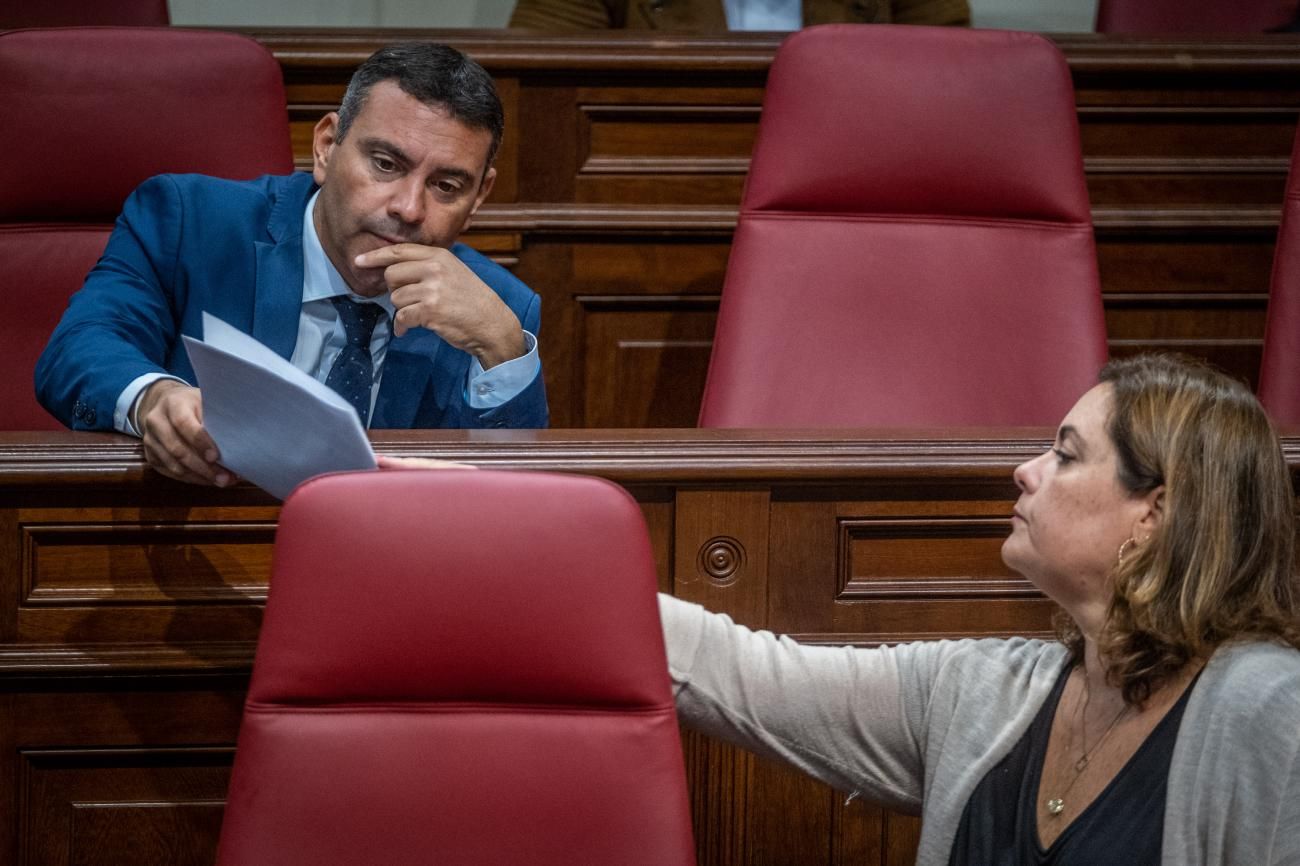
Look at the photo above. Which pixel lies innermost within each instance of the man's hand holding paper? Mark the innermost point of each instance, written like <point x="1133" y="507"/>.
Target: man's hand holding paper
<point x="170" y="423"/>
<point x="272" y="423"/>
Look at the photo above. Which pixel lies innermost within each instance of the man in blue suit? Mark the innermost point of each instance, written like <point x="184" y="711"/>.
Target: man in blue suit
<point x="351" y="272"/>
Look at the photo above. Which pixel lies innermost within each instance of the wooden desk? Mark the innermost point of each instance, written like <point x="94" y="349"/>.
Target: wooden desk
<point x="625" y="153"/>
<point x="130" y="605"/>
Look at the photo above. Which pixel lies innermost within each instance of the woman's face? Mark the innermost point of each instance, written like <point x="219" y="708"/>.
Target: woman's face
<point x="1073" y="514"/>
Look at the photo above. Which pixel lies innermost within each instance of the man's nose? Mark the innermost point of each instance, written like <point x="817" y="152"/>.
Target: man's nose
<point x="407" y="202"/>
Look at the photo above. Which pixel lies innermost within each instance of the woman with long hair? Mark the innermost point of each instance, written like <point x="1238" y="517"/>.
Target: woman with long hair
<point x="1162" y="727"/>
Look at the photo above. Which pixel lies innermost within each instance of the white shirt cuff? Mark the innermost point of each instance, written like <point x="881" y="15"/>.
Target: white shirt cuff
<point x="122" y="413"/>
<point x="488" y="389"/>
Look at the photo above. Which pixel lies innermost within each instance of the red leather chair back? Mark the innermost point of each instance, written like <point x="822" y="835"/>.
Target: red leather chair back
<point x="1279" y="374"/>
<point x="78" y="13"/>
<point x="1193" y="16"/>
<point x="915" y="242"/>
<point x="89" y="114"/>
<point x="459" y="667"/>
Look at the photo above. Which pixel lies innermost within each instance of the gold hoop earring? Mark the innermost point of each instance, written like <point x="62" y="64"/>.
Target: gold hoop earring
<point x="1123" y="547"/>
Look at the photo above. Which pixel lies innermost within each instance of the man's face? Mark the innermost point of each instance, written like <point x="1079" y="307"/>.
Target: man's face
<point x="405" y="172"/>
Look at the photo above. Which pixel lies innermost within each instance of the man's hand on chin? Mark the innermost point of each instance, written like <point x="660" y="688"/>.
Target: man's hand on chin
<point x="170" y="423"/>
<point x="433" y="289"/>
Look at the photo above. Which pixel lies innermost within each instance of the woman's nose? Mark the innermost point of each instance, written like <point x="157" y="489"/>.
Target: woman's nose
<point x="1026" y="474"/>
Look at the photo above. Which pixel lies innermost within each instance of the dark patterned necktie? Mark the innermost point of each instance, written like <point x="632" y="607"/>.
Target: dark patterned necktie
<point x="353" y="372"/>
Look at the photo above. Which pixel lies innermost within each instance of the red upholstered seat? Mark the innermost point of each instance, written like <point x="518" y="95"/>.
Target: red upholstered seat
<point x="915" y="242"/>
<point x="75" y="13"/>
<point x="1193" y="16"/>
<point x="459" y="667"/>
<point x="90" y="113"/>
<point x="1279" y="374"/>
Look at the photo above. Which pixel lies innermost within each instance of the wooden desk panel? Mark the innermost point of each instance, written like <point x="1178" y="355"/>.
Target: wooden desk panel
<point x="625" y="155"/>
<point x="129" y="610"/>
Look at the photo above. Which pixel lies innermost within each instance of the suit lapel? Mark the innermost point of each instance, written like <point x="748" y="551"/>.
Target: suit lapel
<point x="278" y="293"/>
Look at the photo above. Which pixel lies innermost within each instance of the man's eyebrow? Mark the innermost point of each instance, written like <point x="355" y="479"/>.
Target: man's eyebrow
<point x="406" y="161"/>
<point x="391" y="149"/>
<point x="458" y="173"/>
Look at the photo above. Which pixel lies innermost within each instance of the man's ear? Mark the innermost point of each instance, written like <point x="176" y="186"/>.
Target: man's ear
<point x="1152" y="516"/>
<point x="323" y="139"/>
<point x="484" y="190"/>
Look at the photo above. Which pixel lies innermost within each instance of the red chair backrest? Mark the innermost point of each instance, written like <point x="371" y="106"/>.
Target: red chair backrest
<point x="915" y="242"/>
<point x="80" y="13"/>
<point x="90" y="112"/>
<point x="1279" y="373"/>
<point x="1193" y="16"/>
<point x="459" y="667"/>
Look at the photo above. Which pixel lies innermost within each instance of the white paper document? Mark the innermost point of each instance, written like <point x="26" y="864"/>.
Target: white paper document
<point x="274" y="424"/>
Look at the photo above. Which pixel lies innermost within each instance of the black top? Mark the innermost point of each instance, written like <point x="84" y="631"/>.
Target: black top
<point x="1124" y="824"/>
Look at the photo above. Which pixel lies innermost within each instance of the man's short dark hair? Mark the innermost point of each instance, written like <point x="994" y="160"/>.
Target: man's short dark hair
<point x="437" y="75"/>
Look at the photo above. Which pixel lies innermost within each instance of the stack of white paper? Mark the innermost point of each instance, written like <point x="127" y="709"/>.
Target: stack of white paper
<point x="274" y="424"/>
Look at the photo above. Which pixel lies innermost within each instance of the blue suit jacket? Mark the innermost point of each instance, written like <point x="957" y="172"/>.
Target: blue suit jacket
<point x="186" y="244"/>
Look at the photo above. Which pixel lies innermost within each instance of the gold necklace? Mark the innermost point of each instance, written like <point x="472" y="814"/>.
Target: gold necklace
<point x="1056" y="805"/>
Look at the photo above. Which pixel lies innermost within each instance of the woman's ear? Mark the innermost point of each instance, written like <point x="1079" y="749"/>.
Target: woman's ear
<point x="1152" y="515"/>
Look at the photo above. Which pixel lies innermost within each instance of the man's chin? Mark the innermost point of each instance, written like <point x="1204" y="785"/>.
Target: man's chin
<point x="368" y="290"/>
<point x="366" y="282"/>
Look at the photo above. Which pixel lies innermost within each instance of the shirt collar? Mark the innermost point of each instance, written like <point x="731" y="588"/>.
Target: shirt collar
<point x="321" y="279"/>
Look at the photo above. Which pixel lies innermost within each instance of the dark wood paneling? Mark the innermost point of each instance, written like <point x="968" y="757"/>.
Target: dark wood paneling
<point x="626" y="154"/>
<point x="1227" y="136"/>
<point x="721" y="551"/>
<point x="645" y="359"/>
<point x="640" y="314"/>
<point x="121" y="692"/>
<point x="109" y="562"/>
<point x="718" y="775"/>
<point x="880" y="560"/>
<point x="106" y="807"/>
<point x="666" y="154"/>
<point x="1147" y="266"/>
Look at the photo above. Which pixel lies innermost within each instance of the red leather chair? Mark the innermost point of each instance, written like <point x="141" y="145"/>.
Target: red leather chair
<point x="459" y="667"/>
<point x="1193" y="16"/>
<point x="90" y="113"/>
<point x="1279" y="374"/>
<point x="77" y="13"/>
<point x="914" y="245"/>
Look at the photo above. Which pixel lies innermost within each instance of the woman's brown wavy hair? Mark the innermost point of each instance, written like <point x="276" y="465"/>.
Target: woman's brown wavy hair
<point x="1220" y="566"/>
